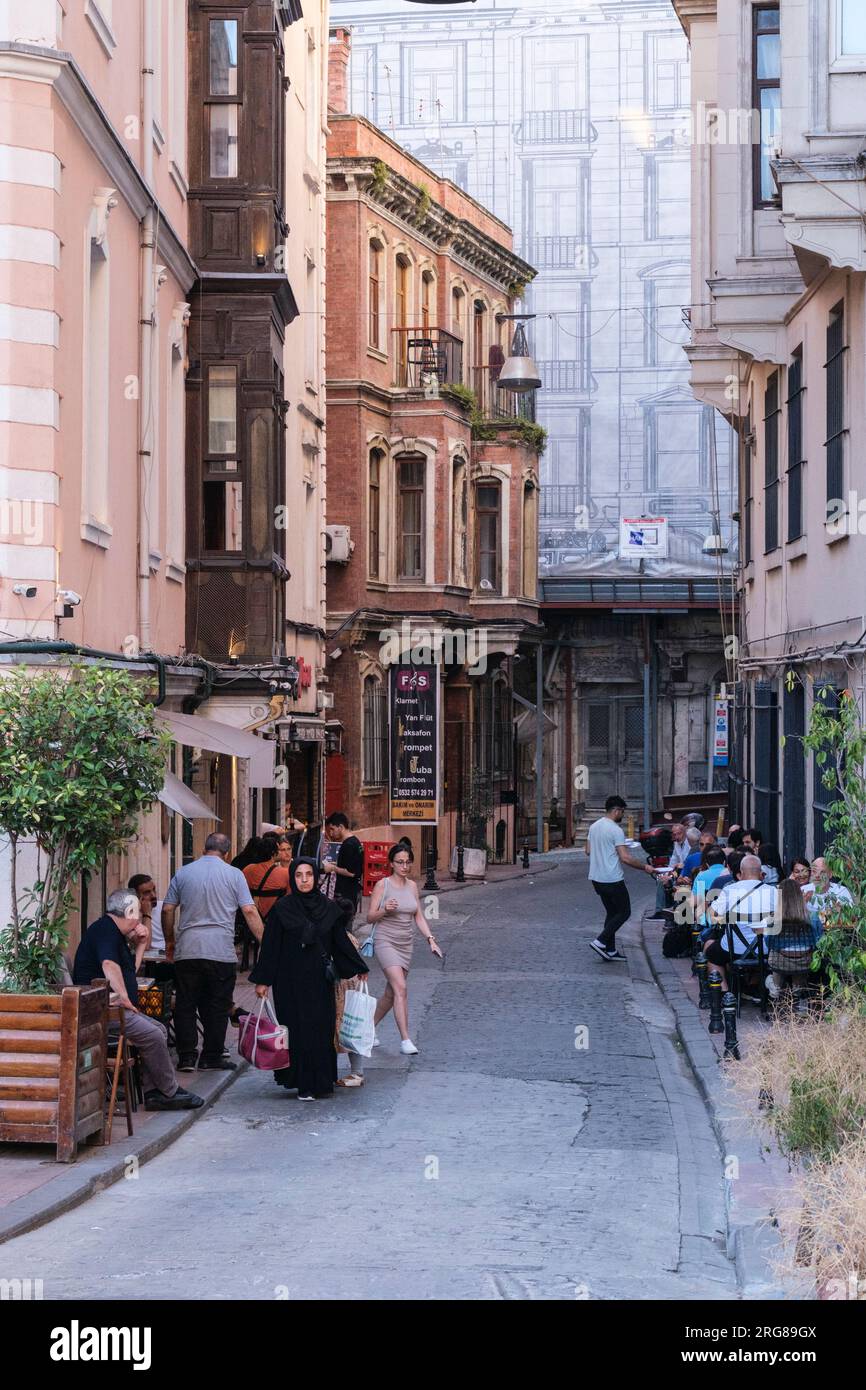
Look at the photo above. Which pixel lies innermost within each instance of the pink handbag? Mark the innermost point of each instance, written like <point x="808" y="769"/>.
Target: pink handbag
<point x="263" y="1041"/>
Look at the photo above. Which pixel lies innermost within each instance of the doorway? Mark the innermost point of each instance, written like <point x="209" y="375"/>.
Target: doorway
<point x="612" y="740"/>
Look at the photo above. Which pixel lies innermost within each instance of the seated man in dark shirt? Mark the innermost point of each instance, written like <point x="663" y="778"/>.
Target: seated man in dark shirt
<point x="105" y="953"/>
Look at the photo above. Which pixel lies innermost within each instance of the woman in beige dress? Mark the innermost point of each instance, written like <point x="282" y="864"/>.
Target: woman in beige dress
<point x="395" y="911"/>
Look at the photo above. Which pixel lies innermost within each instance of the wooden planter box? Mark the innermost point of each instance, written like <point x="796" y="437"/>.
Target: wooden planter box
<point x="52" y="1067"/>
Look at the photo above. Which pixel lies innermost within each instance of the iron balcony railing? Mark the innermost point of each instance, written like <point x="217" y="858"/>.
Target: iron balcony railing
<point x="563" y="374"/>
<point x="559" y="253"/>
<point x="555" y="128"/>
<point x="425" y="351"/>
<point x="495" y="402"/>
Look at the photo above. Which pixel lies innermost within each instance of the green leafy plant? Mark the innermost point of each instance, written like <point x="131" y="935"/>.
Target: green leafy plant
<point x="81" y="756"/>
<point x="838" y="740"/>
<point x="463" y="395"/>
<point x="516" y="288"/>
<point x="380" y="177"/>
<point x="535" y="436"/>
<point x="424" y="201"/>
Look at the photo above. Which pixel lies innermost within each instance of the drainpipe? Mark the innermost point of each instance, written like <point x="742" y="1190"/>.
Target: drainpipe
<point x="539" y="748"/>
<point x="147" y="316"/>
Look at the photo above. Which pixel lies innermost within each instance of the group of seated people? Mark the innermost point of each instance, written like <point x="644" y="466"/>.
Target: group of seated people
<point x="735" y="892"/>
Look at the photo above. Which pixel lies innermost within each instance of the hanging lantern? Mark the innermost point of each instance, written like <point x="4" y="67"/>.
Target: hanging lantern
<point x="519" y="371"/>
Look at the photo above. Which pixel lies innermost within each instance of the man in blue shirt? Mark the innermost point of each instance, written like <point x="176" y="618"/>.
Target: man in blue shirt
<point x="104" y="953"/>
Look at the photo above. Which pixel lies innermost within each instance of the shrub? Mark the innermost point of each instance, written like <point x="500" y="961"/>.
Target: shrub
<point x="80" y="757"/>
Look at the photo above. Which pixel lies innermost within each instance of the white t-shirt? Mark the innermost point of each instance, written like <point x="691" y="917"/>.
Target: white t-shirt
<point x="745" y="904"/>
<point x="157" y="936"/>
<point x="679" y="855"/>
<point x="605" y="865"/>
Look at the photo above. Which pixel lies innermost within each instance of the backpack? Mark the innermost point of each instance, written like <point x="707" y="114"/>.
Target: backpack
<point x="677" y="941"/>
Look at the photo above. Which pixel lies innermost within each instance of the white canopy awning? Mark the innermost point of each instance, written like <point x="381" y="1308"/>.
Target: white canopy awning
<point x="216" y="737"/>
<point x="177" y="796"/>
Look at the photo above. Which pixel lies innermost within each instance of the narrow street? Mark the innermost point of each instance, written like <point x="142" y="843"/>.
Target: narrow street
<point x="502" y="1162"/>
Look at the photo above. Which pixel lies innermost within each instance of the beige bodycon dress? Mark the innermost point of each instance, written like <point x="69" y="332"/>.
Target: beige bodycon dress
<point x="395" y="933"/>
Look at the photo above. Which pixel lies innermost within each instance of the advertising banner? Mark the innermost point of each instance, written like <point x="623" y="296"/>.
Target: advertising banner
<point x="643" y="537"/>
<point x="413" y="757"/>
<point x="720" y="735"/>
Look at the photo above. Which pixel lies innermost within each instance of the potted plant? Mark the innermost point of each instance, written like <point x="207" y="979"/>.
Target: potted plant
<point x="80" y="758"/>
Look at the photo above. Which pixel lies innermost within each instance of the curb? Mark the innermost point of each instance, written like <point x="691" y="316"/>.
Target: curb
<point x="752" y="1241"/>
<point x="98" y="1168"/>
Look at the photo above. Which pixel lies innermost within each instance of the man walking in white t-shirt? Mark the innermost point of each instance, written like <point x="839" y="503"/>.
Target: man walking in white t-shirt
<point x="608" y="851"/>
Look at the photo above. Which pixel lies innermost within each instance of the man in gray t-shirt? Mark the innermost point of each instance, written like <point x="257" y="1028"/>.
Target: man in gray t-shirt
<point x="209" y="893"/>
<point x="608" y="852"/>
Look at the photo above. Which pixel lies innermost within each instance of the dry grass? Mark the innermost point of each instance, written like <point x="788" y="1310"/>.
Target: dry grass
<point x="804" y="1085"/>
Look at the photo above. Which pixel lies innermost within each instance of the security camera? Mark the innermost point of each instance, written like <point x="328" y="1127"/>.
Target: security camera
<point x="69" y="596"/>
<point x="24" y="590"/>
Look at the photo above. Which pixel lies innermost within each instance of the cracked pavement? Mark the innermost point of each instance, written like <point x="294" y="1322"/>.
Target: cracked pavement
<point x="503" y="1162"/>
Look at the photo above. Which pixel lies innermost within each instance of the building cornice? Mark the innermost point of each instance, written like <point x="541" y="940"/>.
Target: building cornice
<point x="751" y="311"/>
<point x="57" y="68"/>
<point x="687" y="11"/>
<point x="356" y="176"/>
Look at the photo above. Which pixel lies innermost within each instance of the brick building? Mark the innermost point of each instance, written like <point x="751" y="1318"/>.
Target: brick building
<point x="432" y="502"/>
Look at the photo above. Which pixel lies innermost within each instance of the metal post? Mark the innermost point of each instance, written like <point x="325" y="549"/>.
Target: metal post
<point x="539" y="748"/>
<point x="526" y="854"/>
<point x="716" y="1024"/>
<point x="729" y="1010"/>
<point x="647" y="730"/>
<point x="430" y="884"/>
<point x="568" y="760"/>
<point x="461" y="876"/>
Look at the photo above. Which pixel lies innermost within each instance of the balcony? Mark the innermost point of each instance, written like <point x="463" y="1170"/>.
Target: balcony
<point x="559" y="253"/>
<point x="564" y="375"/>
<point x="424" y="352"/>
<point x="555" y="128"/>
<point x="497" y="403"/>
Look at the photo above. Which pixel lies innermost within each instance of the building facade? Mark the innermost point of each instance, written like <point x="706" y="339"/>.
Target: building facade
<point x="161" y="396"/>
<point x="778" y="345"/>
<point x="570" y="120"/>
<point x="433" y="493"/>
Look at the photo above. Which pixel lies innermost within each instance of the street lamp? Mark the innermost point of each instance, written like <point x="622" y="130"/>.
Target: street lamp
<point x="519" y="371"/>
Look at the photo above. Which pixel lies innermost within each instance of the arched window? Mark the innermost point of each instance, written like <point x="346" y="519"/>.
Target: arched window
<point x="457" y="303"/>
<point x="374" y="752"/>
<point x="401" y="318"/>
<point x="374" y="513"/>
<point x="459" y="510"/>
<point x="479" y="365"/>
<point x="375" y="295"/>
<point x="530" y="541"/>
<point x="427" y="304"/>
<point x="411" y="517"/>
<point x="488" y="503"/>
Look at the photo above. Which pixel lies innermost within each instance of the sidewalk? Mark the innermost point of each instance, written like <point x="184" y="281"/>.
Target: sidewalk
<point x="496" y="873"/>
<point x="34" y="1188"/>
<point x="754" y="1172"/>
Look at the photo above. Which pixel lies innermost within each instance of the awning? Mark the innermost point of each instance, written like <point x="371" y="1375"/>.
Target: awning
<point x="177" y="796"/>
<point x="222" y="738"/>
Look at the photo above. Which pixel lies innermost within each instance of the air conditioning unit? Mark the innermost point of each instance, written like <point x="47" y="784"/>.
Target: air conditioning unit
<point x="338" y="545"/>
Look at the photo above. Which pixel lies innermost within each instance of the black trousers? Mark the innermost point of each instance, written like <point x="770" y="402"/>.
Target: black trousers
<point x="617" y="905"/>
<point x="206" y="988"/>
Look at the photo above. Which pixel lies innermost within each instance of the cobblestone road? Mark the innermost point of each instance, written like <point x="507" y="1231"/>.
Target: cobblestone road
<point x="502" y="1162"/>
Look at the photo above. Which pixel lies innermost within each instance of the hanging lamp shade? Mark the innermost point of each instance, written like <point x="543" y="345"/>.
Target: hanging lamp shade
<point x="519" y="371"/>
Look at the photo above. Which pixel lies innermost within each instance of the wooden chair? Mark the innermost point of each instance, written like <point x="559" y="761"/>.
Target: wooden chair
<point x="122" y="1062"/>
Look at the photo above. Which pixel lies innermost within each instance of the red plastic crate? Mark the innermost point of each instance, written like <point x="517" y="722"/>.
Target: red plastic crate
<point x="375" y="863"/>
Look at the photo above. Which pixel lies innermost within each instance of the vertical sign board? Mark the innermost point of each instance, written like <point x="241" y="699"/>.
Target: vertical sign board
<point x="720" y="733"/>
<point x="413" y="745"/>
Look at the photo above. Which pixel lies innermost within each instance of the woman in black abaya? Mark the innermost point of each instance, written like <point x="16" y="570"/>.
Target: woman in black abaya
<point x="304" y="933"/>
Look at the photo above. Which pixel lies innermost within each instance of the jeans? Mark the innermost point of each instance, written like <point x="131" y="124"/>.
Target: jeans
<point x="617" y="905"/>
<point x="206" y="988"/>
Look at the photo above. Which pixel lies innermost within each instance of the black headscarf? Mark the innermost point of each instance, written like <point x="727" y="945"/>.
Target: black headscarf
<point x="313" y="905"/>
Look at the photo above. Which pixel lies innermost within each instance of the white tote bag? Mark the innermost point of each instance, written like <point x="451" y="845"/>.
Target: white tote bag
<point x="356" y="1030"/>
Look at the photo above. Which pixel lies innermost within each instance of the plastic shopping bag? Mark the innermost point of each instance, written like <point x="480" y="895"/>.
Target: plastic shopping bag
<point x="263" y="1040"/>
<point x="356" y="1030"/>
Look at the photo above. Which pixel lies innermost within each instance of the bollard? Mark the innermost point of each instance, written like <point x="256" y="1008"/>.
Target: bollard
<point x="729" y="1010"/>
<point x="430" y="884"/>
<point x="702" y="966"/>
<point x="696" y="947"/>
<point x="461" y="876"/>
<point x="526" y="854"/>
<point x="716" y="1024"/>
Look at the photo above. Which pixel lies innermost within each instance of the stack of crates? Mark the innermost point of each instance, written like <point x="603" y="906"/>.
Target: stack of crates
<point x="375" y="863"/>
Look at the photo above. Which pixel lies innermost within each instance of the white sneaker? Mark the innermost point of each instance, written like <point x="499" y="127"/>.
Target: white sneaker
<point x="375" y="1040"/>
<point x="408" y="1048"/>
